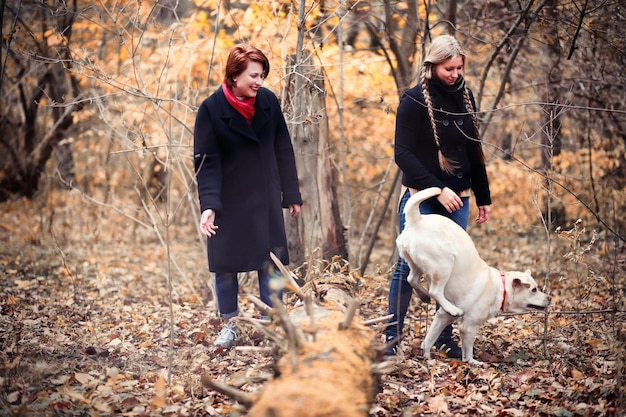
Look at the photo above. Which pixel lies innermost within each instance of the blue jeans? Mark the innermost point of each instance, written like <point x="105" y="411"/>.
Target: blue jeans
<point x="227" y="289"/>
<point x="400" y="290"/>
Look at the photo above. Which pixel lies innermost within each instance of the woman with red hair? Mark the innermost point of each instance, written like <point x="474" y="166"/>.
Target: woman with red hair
<point x="246" y="172"/>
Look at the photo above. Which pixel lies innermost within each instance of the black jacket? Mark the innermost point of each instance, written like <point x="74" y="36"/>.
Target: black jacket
<point x="247" y="174"/>
<point x="415" y="149"/>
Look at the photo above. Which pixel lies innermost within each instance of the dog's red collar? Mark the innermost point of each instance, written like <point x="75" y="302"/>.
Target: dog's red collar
<point x="503" y="276"/>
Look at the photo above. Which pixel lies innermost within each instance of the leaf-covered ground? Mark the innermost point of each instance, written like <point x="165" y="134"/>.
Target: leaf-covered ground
<point x="90" y="327"/>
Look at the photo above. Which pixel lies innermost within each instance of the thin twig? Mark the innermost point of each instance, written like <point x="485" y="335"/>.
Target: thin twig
<point x="379" y="223"/>
<point x="285" y="272"/>
<point x="237" y="395"/>
<point x="262" y="328"/>
<point x="293" y="337"/>
<point x="370" y="217"/>
<point x="263" y="308"/>
<point x="377" y="320"/>
<point x="382" y="368"/>
<point x="254" y="349"/>
<point x="586" y="312"/>
<point x="573" y="46"/>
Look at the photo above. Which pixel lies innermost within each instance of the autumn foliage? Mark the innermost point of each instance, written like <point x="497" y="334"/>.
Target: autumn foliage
<point x="106" y="301"/>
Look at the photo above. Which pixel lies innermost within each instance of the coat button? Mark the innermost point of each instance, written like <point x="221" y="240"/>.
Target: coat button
<point x="459" y="122"/>
<point x="445" y="122"/>
<point x="459" y="175"/>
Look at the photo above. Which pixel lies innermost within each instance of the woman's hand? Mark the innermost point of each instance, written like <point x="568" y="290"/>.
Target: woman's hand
<point x="483" y="214"/>
<point x="450" y="200"/>
<point x="206" y="223"/>
<point x="294" y="210"/>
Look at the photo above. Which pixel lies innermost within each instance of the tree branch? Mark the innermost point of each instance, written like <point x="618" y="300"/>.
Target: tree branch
<point x="573" y="47"/>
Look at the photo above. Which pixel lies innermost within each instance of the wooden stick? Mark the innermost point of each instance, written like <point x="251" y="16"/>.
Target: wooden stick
<point x="285" y="272"/>
<point x="382" y="368"/>
<point x="263" y="328"/>
<point x="349" y="316"/>
<point x="237" y="395"/>
<point x="308" y="308"/>
<point x="294" y="339"/>
<point x="290" y="329"/>
<point x="259" y="349"/>
<point x="263" y="308"/>
<point x="377" y="320"/>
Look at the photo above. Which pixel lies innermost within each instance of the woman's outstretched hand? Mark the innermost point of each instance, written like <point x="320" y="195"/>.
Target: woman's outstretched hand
<point x="206" y="223"/>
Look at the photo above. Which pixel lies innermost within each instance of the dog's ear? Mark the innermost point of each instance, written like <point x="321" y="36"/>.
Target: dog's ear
<point x="527" y="272"/>
<point x="517" y="283"/>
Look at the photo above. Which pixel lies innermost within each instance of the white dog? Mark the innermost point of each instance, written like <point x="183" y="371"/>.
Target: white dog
<point x="458" y="279"/>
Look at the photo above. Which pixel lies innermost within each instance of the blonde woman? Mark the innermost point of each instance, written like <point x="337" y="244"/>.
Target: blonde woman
<point x="437" y="144"/>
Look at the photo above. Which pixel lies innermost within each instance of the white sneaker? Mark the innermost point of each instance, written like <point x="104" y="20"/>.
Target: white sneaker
<point x="228" y="335"/>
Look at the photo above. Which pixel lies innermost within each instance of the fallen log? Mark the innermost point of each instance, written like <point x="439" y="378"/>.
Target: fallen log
<point x="330" y="373"/>
<point x="327" y="356"/>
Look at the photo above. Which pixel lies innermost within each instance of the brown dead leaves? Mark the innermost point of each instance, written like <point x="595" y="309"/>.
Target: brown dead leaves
<point x="85" y="330"/>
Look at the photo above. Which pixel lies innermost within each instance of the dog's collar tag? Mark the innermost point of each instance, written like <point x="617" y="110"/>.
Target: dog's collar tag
<point x="503" y="276"/>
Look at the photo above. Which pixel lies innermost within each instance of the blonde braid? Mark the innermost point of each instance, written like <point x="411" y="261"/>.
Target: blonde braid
<point x="446" y="165"/>
<point x="472" y="111"/>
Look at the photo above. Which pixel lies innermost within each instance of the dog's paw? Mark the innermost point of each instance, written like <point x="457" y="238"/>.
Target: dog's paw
<point x="426" y="353"/>
<point x="454" y="311"/>
<point x="475" y="362"/>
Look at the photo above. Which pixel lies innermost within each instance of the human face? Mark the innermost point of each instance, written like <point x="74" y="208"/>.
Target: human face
<point x="449" y="71"/>
<point x="249" y="81"/>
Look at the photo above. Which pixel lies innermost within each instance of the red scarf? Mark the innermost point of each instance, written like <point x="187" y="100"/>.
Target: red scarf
<point x="245" y="107"/>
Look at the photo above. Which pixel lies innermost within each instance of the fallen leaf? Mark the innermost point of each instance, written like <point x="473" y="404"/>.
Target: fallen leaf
<point x="577" y="375"/>
<point x="438" y="405"/>
<point x="13" y="397"/>
<point x="60" y="380"/>
<point x="82" y="378"/>
<point x="597" y="344"/>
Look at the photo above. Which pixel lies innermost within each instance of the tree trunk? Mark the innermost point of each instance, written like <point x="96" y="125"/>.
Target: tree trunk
<point x="327" y="369"/>
<point x="551" y="140"/>
<point x="318" y="232"/>
<point x="404" y="50"/>
<point x="451" y="13"/>
<point x="40" y="101"/>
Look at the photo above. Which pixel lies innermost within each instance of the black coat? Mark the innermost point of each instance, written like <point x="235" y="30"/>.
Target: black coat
<point x="415" y="149"/>
<point x="247" y="174"/>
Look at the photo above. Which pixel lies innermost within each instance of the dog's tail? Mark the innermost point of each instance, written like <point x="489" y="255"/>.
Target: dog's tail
<point x="411" y="208"/>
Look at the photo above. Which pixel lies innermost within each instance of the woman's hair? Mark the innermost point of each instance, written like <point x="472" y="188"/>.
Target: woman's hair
<point x="442" y="49"/>
<point x="238" y="59"/>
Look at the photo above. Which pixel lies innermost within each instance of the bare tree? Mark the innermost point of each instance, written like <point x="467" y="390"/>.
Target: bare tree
<point x="39" y="94"/>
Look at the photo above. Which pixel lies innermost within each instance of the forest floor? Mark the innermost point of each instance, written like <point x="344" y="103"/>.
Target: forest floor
<point x="90" y="327"/>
